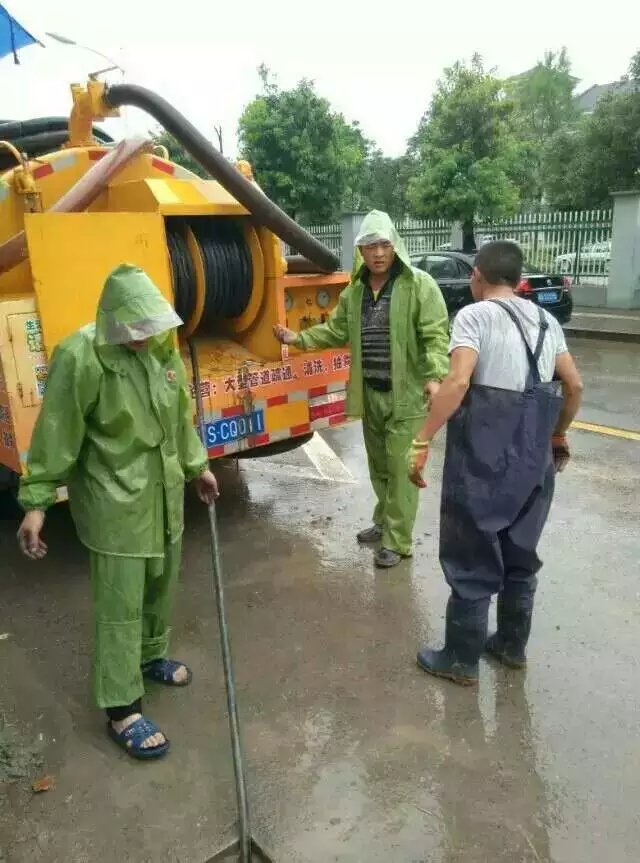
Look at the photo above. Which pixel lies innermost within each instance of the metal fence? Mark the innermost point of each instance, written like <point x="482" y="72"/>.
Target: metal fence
<point x="330" y="235"/>
<point x="576" y="244"/>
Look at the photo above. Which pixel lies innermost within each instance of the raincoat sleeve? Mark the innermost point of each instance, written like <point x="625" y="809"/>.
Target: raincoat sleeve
<point x="334" y="333"/>
<point x="432" y="328"/>
<point x="72" y="392"/>
<point x="193" y="457"/>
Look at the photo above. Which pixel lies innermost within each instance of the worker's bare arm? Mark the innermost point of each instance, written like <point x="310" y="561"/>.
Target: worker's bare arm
<point x="572" y="388"/>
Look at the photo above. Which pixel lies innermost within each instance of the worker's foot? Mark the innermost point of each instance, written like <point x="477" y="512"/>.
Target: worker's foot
<point x="371" y="534"/>
<point x="385" y="558"/>
<point x="512" y="655"/>
<point x="443" y="663"/>
<point x="138" y="736"/>
<point x="173" y="672"/>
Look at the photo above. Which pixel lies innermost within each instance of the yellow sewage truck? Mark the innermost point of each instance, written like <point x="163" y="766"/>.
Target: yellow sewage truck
<point x="74" y="204"/>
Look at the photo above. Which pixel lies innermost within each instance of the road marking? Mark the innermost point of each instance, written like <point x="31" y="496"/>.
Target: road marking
<point x="627" y="434"/>
<point x="328" y="466"/>
<point x="326" y="462"/>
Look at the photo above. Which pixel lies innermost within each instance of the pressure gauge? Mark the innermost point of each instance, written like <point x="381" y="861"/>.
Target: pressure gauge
<point x="288" y="301"/>
<point x="323" y="298"/>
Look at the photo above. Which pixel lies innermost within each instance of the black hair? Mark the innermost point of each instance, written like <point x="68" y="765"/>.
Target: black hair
<point x="500" y="263"/>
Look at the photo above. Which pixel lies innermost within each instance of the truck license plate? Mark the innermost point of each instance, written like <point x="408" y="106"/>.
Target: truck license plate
<point x="236" y="428"/>
<point x="548" y="296"/>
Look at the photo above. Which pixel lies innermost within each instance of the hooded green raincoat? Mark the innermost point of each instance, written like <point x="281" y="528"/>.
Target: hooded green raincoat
<point x="419" y="332"/>
<point x="116" y="427"/>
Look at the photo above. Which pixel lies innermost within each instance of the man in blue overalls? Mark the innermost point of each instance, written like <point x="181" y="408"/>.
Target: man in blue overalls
<point x="506" y="438"/>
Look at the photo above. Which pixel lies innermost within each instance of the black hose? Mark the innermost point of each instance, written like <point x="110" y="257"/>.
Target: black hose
<point x="184" y="277"/>
<point x="41" y="125"/>
<point x="42" y="143"/>
<point x="262" y="209"/>
<point x="228" y="268"/>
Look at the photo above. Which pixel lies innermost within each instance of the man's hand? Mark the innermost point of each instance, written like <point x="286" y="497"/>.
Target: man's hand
<point x="284" y="335"/>
<point x="431" y="388"/>
<point x="29" y="535"/>
<point x="418" y="457"/>
<point x="561" y="451"/>
<point x="207" y="487"/>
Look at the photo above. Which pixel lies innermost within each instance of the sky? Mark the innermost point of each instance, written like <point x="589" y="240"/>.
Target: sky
<point x="375" y="65"/>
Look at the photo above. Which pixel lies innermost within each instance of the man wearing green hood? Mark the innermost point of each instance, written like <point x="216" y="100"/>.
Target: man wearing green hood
<point x="395" y="320"/>
<point x="116" y="426"/>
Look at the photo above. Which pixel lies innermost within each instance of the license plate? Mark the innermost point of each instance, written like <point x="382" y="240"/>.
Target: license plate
<point x="236" y="428"/>
<point x="547" y="296"/>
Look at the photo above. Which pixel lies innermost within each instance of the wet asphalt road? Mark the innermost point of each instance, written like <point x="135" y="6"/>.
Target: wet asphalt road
<point x="354" y="754"/>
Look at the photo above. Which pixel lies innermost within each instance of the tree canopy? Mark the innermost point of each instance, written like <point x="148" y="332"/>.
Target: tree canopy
<point x="468" y="161"/>
<point x="306" y="157"/>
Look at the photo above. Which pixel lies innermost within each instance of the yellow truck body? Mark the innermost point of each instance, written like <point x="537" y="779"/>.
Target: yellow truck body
<point x="255" y="392"/>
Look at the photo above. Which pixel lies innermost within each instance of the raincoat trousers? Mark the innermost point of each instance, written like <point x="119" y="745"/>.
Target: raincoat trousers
<point x="116" y="427"/>
<point x="497" y="488"/>
<point x="419" y="330"/>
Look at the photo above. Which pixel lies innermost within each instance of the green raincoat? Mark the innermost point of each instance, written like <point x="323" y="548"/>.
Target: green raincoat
<point x="116" y="427"/>
<point x="419" y="331"/>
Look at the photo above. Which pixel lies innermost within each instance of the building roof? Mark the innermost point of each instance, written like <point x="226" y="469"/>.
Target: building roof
<point x="588" y="100"/>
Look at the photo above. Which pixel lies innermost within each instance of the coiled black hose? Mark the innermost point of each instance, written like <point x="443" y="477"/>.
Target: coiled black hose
<point x="228" y="268"/>
<point x="184" y="277"/>
<point x="39" y="136"/>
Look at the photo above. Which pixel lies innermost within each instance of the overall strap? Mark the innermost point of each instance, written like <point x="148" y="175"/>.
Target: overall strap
<point x="532" y="356"/>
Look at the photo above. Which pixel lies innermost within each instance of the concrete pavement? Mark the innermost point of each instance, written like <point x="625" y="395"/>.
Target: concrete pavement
<point x="354" y="754"/>
<point x="610" y="324"/>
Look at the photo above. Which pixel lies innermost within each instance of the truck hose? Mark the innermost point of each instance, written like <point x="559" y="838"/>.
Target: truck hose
<point x="228" y="268"/>
<point x="246" y="193"/>
<point x="11" y="129"/>
<point x="40" y="143"/>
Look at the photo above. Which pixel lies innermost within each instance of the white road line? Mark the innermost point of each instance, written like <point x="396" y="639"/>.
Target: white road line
<point x="326" y="462"/>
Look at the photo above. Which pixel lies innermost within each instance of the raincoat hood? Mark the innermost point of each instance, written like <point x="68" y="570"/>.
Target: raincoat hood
<point x="376" y="227"/>
<point x="132" y="308"/>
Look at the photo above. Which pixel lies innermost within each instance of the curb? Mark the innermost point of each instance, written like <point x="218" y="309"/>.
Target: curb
<point x="605" y="335"/>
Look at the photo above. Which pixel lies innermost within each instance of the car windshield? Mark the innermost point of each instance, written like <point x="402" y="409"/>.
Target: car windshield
<point x="440" y="267"/>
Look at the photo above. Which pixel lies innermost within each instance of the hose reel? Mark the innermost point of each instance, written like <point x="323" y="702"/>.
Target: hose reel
<point x="217" y="271"/>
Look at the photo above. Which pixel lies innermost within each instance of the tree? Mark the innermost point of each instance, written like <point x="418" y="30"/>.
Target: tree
<point x="469" y="162"/>
<point x="385" y="184"/>
<point x="177" y="152"/>
<point x="634" y="66"/>
<point x="601" y="156"/>
<point x="543" y="104"/>
<point x="306" y="157"/>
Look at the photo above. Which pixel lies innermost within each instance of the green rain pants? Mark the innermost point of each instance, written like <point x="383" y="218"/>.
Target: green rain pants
<point x="387" y="444"/>
<point x="132" y="603"/>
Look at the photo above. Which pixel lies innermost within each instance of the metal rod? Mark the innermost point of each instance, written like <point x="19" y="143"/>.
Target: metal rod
<point x="225" y="644"/>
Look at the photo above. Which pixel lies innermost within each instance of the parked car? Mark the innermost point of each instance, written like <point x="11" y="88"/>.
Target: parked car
<point x="452" y="272"/>
<point x="594" y="258"/>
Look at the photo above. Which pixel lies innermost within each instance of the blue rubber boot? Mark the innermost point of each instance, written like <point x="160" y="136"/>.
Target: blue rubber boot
<point x="508" y="644"/>
<point x="465" y="638"/>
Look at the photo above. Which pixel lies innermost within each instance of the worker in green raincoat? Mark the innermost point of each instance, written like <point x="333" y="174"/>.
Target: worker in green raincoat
<point x="395" y="320"/>
<point x="116" y="427"/>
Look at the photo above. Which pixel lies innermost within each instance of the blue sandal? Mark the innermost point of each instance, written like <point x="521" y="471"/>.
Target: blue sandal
<point x="132" y="738"/>
<point x="162" y="671"/>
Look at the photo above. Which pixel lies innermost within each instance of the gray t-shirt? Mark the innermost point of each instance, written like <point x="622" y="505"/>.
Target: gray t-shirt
<point x="502" y="359"/>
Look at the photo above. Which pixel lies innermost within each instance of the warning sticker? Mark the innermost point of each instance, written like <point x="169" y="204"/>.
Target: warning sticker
<point x="33" y="330"/>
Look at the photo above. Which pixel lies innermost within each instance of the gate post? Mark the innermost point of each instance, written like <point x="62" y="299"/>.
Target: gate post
<point x="350" y="226"/>
<point x="623" y="291"/>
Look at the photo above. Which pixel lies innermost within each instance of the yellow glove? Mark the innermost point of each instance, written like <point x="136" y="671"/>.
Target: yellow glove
<point x="418" y="456"/>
